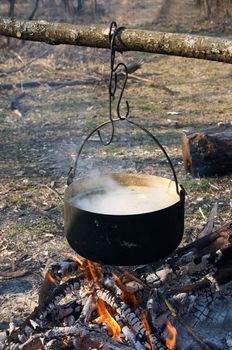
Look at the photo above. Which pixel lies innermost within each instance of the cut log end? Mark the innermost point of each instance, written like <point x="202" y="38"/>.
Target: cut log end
<point x="208" y="152"/>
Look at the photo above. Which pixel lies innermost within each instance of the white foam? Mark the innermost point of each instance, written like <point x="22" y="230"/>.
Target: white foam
<point x="126" y="200"/>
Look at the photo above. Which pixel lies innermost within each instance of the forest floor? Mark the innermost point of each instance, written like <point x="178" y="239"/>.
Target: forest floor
<point x="43" y="127"/>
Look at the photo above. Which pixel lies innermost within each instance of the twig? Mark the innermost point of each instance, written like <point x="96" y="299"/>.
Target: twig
<point x="151" y="82"/>
<point x="17" y="55"/>
<point x="202" y="214"/>
<point x="192" y="287"/>
<point x="54" y="191"/>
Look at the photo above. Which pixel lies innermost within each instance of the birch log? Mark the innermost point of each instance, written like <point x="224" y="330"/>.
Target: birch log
<point x="186" y="45"/>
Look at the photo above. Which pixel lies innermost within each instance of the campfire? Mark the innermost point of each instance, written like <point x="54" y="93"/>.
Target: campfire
<point x="180" y="302"/>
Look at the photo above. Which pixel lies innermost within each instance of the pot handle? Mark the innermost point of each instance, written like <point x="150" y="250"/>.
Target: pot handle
<point x="180" y="192"/>
<point x="73" y="170"/>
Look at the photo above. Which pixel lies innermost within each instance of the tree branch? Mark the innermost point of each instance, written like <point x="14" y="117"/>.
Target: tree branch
<point x="186" y="45"/>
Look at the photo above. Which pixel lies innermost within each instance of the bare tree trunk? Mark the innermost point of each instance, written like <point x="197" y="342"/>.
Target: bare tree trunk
<point x="217" y="10"/>
<point x="34" y="10"/>
<point x="186" y="45"/>
<point x="11" y="8"/>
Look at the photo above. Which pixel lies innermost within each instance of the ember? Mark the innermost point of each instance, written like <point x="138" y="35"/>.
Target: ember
<point x="177" y="296"/>
<point x="147" y="327"/>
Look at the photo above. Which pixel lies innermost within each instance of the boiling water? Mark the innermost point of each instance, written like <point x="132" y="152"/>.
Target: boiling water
<point x="126" y="200"/>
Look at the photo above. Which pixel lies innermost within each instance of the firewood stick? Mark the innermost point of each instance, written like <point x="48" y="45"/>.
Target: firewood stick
<point x="136" y="279"/>
<point x="87" y="310"/>
<point x="82" y="331"/>
<point x="130" y="335"/>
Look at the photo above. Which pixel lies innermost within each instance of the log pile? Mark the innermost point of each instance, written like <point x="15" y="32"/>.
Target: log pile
<point x="208" y="152"/>
<point x="83" y="305"/>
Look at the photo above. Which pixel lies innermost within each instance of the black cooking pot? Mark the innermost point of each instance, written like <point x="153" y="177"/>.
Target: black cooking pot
<point x="124" y="219"/>
<point x="113" y="236"/>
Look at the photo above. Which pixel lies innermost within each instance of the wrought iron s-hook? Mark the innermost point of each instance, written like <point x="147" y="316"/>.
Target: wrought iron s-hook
<point x="113" y="83"/>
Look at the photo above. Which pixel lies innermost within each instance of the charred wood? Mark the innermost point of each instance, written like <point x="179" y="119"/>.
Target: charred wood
<point x="126" y="313"/>
<point x="83" y="331"/>
<point x="87" y="310"/>
<point x="208" y="152"/>
<point x="205" y="263"/>
<point x="210" y="222"/>
<point x="35" y="320"/>
<point x="53" y="277"/>
<point x="132" y="338"/>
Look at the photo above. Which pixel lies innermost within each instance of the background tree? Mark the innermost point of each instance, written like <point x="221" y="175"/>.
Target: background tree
<point x="216" y="10"/>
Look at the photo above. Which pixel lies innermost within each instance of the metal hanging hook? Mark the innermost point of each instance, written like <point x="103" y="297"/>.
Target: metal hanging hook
<point x="113" y="83"/>
<point x="114" y="74"/>
<point x="119" y="115"/>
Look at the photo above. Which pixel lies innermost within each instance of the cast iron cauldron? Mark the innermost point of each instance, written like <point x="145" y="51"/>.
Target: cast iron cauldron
<point x="110" y="234"/>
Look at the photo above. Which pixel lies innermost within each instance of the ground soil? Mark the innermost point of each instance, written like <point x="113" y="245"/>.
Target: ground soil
<point x="43" y="127"/>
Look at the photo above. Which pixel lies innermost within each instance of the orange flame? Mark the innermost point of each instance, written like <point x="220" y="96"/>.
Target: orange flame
<point x="95" y="272"/>
<point x="148" y="329"/>
<point x="52" y="279"/>
<point x="105" y="317"/>
<point x="74" y="257"/>
<point x="126" y="296"/>
<point x="171" y="338"/>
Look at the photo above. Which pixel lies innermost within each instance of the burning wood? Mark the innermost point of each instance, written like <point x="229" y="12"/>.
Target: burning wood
<point x="167" y="305"/>
<point x="105" y="317"/>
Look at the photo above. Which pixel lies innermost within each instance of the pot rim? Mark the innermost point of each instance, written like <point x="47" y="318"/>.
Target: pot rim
<point x="92" y="182"/>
